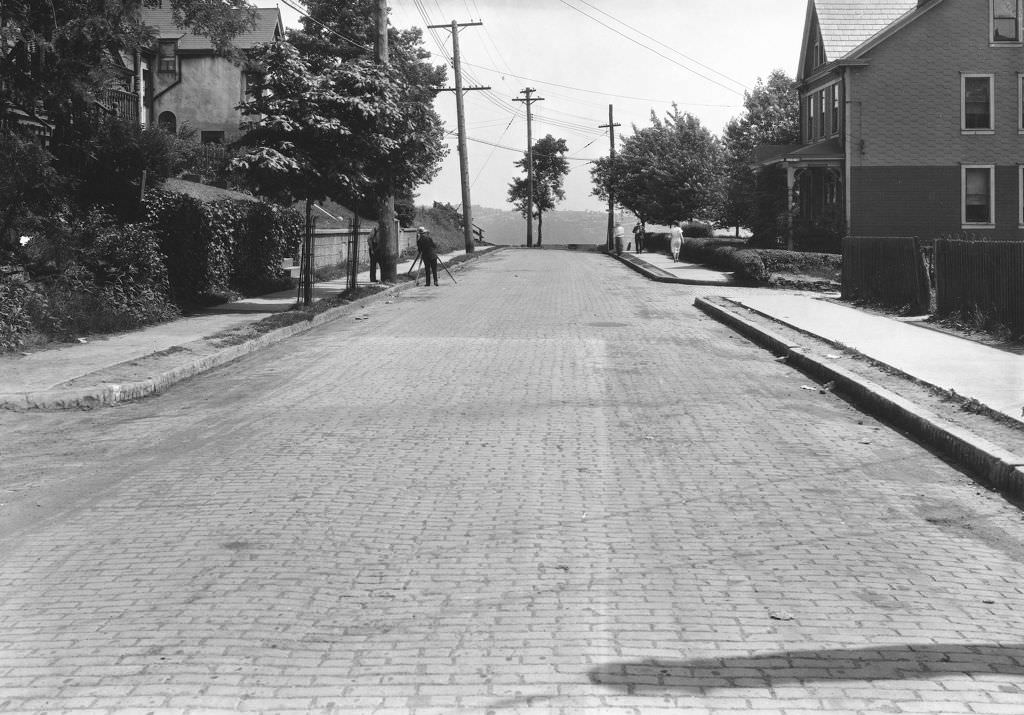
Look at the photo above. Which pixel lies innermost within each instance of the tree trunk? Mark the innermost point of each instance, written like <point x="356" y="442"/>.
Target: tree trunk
<point x="306" y="269"/>
<point x="387" y="255"/>
<point x="540" y="228"/>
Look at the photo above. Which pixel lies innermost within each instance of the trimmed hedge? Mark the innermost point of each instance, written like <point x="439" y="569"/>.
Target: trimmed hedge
<point x="222" y="246"/>
<point x="754" y="265"/>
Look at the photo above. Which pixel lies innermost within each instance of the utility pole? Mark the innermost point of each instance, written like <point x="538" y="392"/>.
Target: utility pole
<point x="610" y="126"/>
<point x="529" y="100"/>
<point x="386" y="250"/>
<point x="467" y="207"/>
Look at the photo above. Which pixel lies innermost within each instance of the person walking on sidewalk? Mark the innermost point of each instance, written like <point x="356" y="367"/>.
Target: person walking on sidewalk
<point x="676" y="240"/>
<point x="638" y="237"/>
<point x="428" y="252"/>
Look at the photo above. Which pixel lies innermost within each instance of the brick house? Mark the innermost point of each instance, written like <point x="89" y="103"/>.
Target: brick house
<point x="912" y="118"/>
<point x="189" y="83"/>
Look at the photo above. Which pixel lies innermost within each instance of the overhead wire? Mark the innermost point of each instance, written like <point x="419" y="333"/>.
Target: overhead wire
<point x="667" y="46"/>
<point x="303" y="13"/>
<point x="649" y="49"/>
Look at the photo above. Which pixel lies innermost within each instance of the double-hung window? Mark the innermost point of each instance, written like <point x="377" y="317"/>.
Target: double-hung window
<point x="834" y="100"/>
<point x="167" y="57"/>
<point x="1006" y="15"/>
<point x="821" y="113"/>
<point x="978" y="196"/>
<point x="977" y="113"/>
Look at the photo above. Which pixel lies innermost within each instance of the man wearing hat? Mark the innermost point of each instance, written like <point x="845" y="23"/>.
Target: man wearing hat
<point x="428" y="252"/>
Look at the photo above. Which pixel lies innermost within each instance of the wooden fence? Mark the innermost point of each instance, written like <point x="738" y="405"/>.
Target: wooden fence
<point x="984" y="276"/>
<point x="886" y="270"/>
<point x="331" y="247"/>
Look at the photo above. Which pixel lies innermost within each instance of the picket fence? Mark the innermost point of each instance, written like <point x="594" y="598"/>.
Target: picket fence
<point x="887" y="271"/>
<point x="981" y="276"/>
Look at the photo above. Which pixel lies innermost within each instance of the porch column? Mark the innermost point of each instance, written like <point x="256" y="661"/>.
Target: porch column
<point x="790" y="183"/>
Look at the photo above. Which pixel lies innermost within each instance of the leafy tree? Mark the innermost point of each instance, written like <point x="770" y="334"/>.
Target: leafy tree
<point x="410" y="141"/>
<point x="29" y="188"/>
<point x="549" y="170"/>
<point x="57" y="56"/>
<point x="669" y="171"/>
<point x="771" y="116"/>
<point x="314" y="135"/>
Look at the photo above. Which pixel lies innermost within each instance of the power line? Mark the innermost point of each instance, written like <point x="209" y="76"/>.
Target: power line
<point x="594" y="91"/>
<point x="302" y="13"/>
<point x="648" y="48"/>
<point x="669" y="47"/>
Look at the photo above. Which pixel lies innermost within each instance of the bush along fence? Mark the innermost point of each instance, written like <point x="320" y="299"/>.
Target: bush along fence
<point x="887" y="271"/>
<point x="215" y="248"/>
<point x="981" y="277"/>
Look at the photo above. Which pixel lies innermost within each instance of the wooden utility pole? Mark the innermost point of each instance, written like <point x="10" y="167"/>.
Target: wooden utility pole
<point x="610" y="126"/>
<point x="386" y="250"/>
<point x="529" y="100"/>
<point x="467" y="207"/>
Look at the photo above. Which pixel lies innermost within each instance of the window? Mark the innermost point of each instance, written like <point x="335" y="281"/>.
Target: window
<point x="834" y="97"/>
<point x="211" y="137"/>
<point x="821" y="113"/>
<point x="977" y="102"/>
<point x="1005" y="20"/>
<point x="168" y="122"/>
<point x="978" y="197"/>
<point x="1020" y="195"/>
<point x="810" y="117"/>
<point x="167" y="57"/>
<point x="819" y="54"/>
<point x="1020" y="103"/>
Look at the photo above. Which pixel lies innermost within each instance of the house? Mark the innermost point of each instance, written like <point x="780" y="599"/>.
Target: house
<point x="192" y="84"/>
<point x="912" y="118"/>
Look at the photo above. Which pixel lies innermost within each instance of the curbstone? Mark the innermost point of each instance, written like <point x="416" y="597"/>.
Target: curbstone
<point x="111" y="393"/>
<point x="659" y="275"/>
<point x="989" y="463"/>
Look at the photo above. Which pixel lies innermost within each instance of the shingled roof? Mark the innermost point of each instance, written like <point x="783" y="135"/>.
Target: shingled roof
<point x="268" y="20"/>
<point x="847" y="24"/>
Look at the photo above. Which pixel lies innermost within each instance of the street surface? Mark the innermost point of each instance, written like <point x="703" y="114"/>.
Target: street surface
<point x="555" y="487"/>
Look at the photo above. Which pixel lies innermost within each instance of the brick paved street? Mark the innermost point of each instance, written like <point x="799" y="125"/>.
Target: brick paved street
<point x="555" y="487"/>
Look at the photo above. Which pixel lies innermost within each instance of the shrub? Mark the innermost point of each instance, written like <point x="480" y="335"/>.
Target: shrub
<point x="15" y="314"/>
<point x="696" y="229"/>
<point x="221" y="246"/>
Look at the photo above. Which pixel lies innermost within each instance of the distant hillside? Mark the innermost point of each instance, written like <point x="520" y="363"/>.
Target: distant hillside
<point x="508" y="228"/>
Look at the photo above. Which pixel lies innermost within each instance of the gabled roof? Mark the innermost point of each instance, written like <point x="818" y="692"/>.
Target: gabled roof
<point x="268" y="24"/>
<point x="847" y="24"/>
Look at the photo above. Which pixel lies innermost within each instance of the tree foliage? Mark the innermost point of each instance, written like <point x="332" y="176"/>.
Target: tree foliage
<point x="550" y="168"/>
<point x="57" y="56"/>
<point x="771" y="116"/>
<point x="667" y="172"/>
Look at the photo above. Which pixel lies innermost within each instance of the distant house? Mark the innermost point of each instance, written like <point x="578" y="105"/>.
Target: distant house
<point x="912" y="117"/>
<point x="190" y="83"/>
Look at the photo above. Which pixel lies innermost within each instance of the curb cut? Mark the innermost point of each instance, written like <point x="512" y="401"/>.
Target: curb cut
<point x="112" y="394"/>
<point x="989" y="463"/>
<point x="661" y="276"/>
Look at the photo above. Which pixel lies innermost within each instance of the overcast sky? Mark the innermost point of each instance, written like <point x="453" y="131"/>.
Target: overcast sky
<point x="581" y="56"/>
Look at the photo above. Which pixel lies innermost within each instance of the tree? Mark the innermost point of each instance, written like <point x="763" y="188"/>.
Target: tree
<point x="314" y="134"/>
<point x="56" y="57"/>
<point x="410" y="141"/>
<point x="669" y="171"/>
<point x="771" y="116"/>
<point x="549" y="170"/>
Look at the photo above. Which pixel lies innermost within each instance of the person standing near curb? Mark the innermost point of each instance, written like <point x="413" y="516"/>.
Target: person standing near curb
<point x="638" y="237"/>
<point x="677" y="240"/>
<point x="428" y="252"/>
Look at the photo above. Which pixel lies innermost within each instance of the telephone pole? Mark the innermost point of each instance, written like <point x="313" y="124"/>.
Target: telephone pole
<point x="529" y="100"/>
<point x="386" y="249"/>
<point x="467" y="207"/>
<point x="610" y="126"/>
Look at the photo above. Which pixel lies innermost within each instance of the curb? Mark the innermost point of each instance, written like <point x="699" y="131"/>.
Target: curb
<point x="657" y="274"/>
<point x="112" y="394"/>
<point x="989" y="463"/>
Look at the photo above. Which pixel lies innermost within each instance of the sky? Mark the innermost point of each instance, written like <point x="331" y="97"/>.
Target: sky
<point x="582" y="55"/>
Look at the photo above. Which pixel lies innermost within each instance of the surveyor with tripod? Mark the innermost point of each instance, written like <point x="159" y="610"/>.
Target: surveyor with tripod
<point x="428" y="252"/>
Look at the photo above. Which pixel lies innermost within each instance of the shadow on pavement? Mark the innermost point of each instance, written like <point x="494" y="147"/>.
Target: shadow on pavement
<point x="901" y="662"/>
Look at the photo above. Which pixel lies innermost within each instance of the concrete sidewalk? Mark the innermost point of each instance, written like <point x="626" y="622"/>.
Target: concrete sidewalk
<point x="59" y="377"/>
<point x="660" y="267"/>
